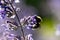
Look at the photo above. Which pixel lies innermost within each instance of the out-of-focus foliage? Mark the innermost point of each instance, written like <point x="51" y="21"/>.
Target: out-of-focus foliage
<point x="34" y="3"/>
<point x="41" y="6"/>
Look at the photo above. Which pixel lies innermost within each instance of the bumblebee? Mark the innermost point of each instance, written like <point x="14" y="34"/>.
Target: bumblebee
<point x="31" y="22"/>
